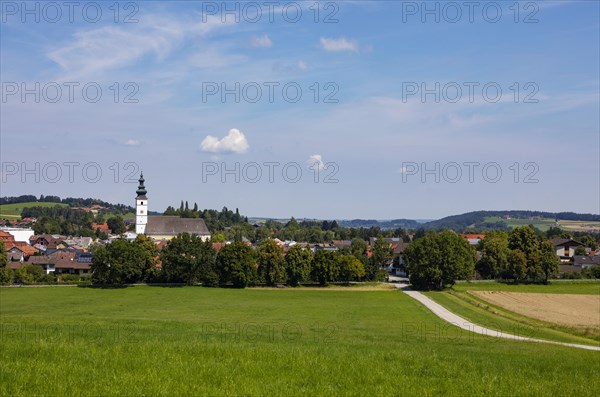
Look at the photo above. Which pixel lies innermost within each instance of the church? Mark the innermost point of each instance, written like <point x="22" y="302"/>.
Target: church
<point x="159" y="227"/>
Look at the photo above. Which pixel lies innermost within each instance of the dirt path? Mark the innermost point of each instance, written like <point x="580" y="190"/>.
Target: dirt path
<point x="460" y="322"/>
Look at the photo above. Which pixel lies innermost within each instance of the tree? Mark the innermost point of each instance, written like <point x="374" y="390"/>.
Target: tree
<point x="122" y="262"/>
<point x="116" y="224"/>
<point x="6" y="275"/>
<point x="351" y="269"/>
<point x="358" y="248"/>
<point x="439" y="259"/>
<point x="524" y="239"/>
<point x="550" y="263"/>
<point x="297" y="264"/>
<point x="554" y="231"/>
<point x="517" y="265"/>
<point x="326" y="266"/>
<point x="382" y="251"/>
<point x="236" y="263"/>
<point x="494" y="256"/>
<point x="580" y="250"/>
<point x="589" y="241"/>
<point x="271" y="266"/>
<point x="188" y="259"/>
<point x="3" y="257"/>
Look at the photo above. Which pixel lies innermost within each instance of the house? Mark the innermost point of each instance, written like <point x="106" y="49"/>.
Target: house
<point x="570" y="269"/>
<point x="103" y="227"/>
<point x="18" y="233"/>
<point x="472" y="238"/>
<point x="83" y="242"/>
<point x="24" y="250"/>
<point x="58" y="262"/>
<point x="324" y="247"/>
<point x="585" y="262"/>
<point x="341" y="244"/>
<point x="7" y="238"/>
<point x="49" y="242"/>
<point x="565" y="248"/>
<point x="390" y="240"/>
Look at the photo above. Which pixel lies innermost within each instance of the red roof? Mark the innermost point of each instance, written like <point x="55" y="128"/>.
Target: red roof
<point x="473" y="236"/>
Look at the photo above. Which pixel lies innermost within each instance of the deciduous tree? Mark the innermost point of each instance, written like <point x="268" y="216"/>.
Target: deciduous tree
<point x="550" y="263"/>
<point x="297" y="264"/>
<point x="326" y="266"/>
<point x="237" y="264"/>
<point x="439" y="259"/>
<point x="271" y="262"/>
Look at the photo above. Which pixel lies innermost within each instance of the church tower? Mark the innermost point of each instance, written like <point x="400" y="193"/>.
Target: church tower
<point x="141" y="207"/>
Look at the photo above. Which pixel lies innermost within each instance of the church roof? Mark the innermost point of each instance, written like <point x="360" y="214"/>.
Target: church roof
<point x="173" y="225"/>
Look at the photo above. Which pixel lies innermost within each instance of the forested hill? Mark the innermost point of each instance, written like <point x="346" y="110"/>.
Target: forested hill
<point x="477" y="219"/>
<point x="387" y="224"/>
<point x="70" y="201"/>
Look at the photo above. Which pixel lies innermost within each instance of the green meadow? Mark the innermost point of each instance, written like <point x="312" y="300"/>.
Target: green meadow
<point x="199" y="341"/>
<point x="13" y="211"/>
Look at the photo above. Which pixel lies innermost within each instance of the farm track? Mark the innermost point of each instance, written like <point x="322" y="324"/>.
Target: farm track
<point x="462" y="323"/>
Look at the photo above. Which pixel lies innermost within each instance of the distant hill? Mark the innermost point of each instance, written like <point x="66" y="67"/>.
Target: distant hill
<point x="385" y="224"/>
<point x="483" y="220"/>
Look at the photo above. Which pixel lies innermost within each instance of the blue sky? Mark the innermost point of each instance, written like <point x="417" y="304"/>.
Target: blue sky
<point x="370" y="138"/>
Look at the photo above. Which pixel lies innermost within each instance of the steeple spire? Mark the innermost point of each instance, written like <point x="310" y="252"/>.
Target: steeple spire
<point x="141" y="191"/>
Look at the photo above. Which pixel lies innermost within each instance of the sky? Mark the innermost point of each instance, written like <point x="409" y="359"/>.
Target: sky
<point x="329" y="110"/>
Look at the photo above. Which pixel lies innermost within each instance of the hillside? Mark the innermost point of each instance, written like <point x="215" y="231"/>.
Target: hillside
<point x="385" y="224"/>
<point x="13" y="211"/>
<point x="483" y="220"/>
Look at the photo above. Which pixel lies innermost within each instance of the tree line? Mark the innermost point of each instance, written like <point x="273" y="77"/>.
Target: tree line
<point x="190" y="260"/>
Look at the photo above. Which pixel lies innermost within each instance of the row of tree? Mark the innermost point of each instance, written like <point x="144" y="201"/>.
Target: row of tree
<point x="518" y="255"/>
<point x="190" y="260"/>
<point x="440" y="258"/>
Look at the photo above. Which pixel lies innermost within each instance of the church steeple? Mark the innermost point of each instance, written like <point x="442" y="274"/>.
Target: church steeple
<point x="141" y="207"/>
<point x="141" y="192"/>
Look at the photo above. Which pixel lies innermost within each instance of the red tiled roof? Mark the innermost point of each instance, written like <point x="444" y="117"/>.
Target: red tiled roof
<point x="473" y="236"/>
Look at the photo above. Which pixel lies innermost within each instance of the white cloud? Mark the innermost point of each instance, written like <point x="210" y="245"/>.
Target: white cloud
<point x="234" y="142"/>
<point x="302" y="65"/>
<point x="96" y="50"/>
<point x="315" y="160"/>
<point x="261" y="41"/>
<point x="132" y="142"/>
<point x="338" y="45"/>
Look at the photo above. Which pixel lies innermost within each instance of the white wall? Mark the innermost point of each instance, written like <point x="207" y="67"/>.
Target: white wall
<point x="19" y="234"/>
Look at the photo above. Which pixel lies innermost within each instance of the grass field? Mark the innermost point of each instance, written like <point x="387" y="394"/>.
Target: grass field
<point x="201" y="341"/>
<point x="13" y="211"/>
<point x="546" y="223"/>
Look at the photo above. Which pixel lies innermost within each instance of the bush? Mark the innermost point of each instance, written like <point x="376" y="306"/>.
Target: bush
<point x="28" y="274"/>
<point x="48" y="278"/>
<point x="571" y="276"/>
<point x="68" y="278"/>
<point x="6" y="275"/>
<point x="210" y="279"/>
<point x="381" y="275"/>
